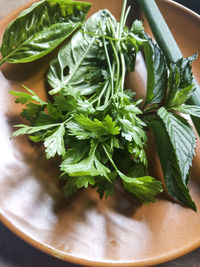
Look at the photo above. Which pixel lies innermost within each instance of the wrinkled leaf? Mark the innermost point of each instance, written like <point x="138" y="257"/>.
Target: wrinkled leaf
<point x="70" y="69"/>
<point x="189" y="109"/>
<point x="180" y="82"/>
<point x="41" y="28"/>
<point x="156" y="73"/>
<point x="182" y="139"/>
<point x="176" y="186"/>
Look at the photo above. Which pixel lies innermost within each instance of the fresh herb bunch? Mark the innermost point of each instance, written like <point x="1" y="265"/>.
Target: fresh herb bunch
<point x="95" y="124"/>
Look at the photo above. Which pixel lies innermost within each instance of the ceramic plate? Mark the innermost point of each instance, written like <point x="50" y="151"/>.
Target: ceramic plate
<point x="84" y="229"/>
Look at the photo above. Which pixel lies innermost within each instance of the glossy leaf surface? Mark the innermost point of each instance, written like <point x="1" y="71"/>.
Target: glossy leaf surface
<point x="41" y="28"/>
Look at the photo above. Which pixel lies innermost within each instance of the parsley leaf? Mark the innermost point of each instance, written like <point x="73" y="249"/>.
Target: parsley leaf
<point x="88" y="165"/>
<point x="143" y="188"/>
<point x="54" y="143"/>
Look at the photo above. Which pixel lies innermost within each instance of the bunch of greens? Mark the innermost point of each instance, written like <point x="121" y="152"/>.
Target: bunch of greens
<point x="93" y="123"/>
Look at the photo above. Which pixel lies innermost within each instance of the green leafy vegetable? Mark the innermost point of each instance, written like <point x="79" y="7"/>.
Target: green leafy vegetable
<point x="144" y="188"/>
<point x="80" y="59"/>
<point x="157" y="73"/>
<point x="180" y="82"/>
<point x="173" y="175"/>
<point x="189" y="109"/>
<point x="182" y="138"/>
<point x="168" y="45"/>
<point x="41" y="28"/>
<point x="95" y="124"/>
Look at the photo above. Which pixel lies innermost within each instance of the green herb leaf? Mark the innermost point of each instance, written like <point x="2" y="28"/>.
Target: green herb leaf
<point x="180" y="82"/>
<point x="24" y="98"/>
<point x="54" y="143"/>
<point x="75" y="183"/>
<point x="189" y="109"/>
<point x="84" y="128"/>
<point x="143" y="188"/>
<point x="70" y="69"/>
<point x="88" y="165"/>
<point x="156" y="72"/>
<point x="176" y="185"/>
<point x="24" y="129"/>
<point x="41" y="28"/>
<point x="182" y="138"/>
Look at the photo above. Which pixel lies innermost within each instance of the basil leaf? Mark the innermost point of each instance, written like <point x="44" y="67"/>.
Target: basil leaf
<point x="41" y="28"/>
<point x="176" y="186"/>
<point x="82" y="54"/>
<point x="182" y="139"/>
<point x="156" y="72"/>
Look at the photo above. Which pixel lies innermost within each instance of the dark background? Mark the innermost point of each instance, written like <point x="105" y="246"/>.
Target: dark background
<point x="192" y="4"/>
<point x="14" y="252"/>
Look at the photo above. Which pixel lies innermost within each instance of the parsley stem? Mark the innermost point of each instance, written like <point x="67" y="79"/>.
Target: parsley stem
<point x="112" y="162"/>
<point x="108" y="61"/>
<point x="101" y="94"/>
<point x="2" y="60"/>
<point x="118" y="65"/>
<point x="122" y="19"/>
<point x="123" y="71"/>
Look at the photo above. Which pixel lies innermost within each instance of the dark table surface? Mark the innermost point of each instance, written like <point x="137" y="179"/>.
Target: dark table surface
<point x="14" y="252"/>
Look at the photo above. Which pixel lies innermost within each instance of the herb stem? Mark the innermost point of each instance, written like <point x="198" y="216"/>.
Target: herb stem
<point x="2" y="60"/>
<point x="112" y="162"/>
<point x="122" y="19"/>
<point x="123" y="71"/>
<point x="118" y="65"/>
<point x="108" y="61"/>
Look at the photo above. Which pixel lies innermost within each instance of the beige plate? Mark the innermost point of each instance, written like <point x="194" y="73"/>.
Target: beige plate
<point x="84" y="229"/>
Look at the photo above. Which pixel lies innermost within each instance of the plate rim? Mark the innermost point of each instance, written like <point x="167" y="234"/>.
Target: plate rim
<point x="74" y="259"/>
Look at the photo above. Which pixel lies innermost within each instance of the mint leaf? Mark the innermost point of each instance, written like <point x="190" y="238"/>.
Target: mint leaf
<point x="176" y="185"/>
<point x="180" y="82"/>
<point x="182" y="138"/>
<point x="69" y="70"/>
<point x="156" y="72"/>
<point x="189" y="109"/>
